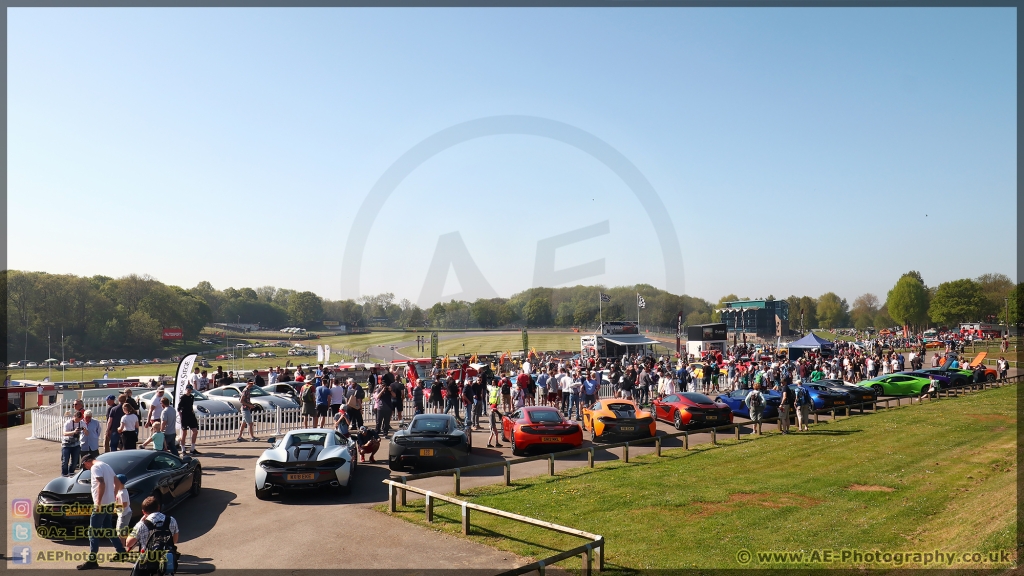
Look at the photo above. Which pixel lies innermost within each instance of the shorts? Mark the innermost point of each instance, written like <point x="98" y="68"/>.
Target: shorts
<point x="247" y="416"/>
<point x="552" y="396"/>
<point x="124" y="522"/>
<point x="756" y="415"/>
<point x="627" y="394"/>
<point x="321" y="410"/>
<point x="506" y="398"/>
<point x="308" y="409"/>
<point x="436" y="403"/>
<point x="189" y="422"/>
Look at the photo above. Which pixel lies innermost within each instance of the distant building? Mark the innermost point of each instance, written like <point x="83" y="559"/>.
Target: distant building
<point x="763" y="318"/>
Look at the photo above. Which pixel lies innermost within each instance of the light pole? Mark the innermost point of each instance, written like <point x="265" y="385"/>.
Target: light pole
<point x="1006" y="301"/>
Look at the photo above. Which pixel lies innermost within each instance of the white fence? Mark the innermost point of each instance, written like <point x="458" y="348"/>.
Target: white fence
<point x="48" y="422"/>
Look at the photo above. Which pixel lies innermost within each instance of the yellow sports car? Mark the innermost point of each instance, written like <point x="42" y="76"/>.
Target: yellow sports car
<point x="617" y="418"/>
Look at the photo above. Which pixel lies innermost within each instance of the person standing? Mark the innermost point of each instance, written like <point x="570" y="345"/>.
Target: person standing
<point x="246" y="402"/>
<point x="493" y="440"/>
<point x="323" y="402"/>
<point x="71" y="448"/>
<point x="784" y="405"/>
<point x="398" y="393"/>
<point x="307" y="398"/>
<point x="803" y="407"/>
<point x="590" y="388"/>
<point x="755" y="407"/>
<point x="92" y="434"/>
<point x="1002" y="366"/>
<point x="337" y="397"/>
<point x="101" y="522"/>
<point x="189" y="422"/>
<point x="436" y="401"/>
<point x="129" y="428"/>
<point x="115" y="412"/>
<point x="417" y="397"/>
<point x="169" y="424"/>
<point x="383" y="399"/>
<point x="156" y="407"/>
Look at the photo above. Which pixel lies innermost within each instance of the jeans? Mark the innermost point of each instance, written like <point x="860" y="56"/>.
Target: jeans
<point x="588" y="399"/>
<point x="169" y="444"/>
<point x="69" y="456"/>
<point x="449" y="406"/>
<point x="574" y="403"/>
<point x="115" y="440"/>
<point x="102" y="526"/>
<point x="384" y="419"/>
<point x="468" y="409"/>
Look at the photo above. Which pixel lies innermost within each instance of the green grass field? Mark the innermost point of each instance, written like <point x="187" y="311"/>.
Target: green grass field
<point x="939" y="476"/>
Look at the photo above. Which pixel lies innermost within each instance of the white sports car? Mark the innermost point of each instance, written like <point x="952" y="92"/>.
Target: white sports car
<point x="306" y="459"/>
<point x="232" y="394"/>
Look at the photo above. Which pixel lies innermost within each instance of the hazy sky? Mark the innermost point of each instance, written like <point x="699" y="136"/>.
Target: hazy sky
<point x="795" y="150"/>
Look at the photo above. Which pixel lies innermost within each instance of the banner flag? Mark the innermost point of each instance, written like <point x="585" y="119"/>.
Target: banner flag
<point x="327" y="353"/>
<point x="184" y="372"/>
<point x="319" y="354"/>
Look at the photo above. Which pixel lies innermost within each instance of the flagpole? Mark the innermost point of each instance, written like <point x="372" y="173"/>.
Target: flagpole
<point x="600" y="310"/>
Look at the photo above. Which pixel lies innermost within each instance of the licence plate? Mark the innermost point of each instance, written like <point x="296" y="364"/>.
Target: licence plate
<point x="550" y="439"/>
<point x="426" y="451"/>
<point x="79" y="511"/>
<point x="303" y="476"/>
<point x="626" y="428"/>
<point x="840" y="402"/>
<point x="711" y="417"/>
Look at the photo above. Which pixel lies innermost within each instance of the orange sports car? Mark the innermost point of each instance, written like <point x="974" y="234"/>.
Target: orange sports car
<point x="617" y="418"/>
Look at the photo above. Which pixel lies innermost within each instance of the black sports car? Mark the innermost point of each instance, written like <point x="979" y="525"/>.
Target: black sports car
<point x="66" y="502"/>
<point x="857" y="394"/>
<point x="430" y="441"/>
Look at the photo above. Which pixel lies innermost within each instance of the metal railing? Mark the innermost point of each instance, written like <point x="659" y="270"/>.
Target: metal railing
<point x="397" y="490"/>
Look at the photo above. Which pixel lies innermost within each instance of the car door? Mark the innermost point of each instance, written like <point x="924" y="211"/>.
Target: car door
<point x="668" y="406"/>
<point x="165" y="466"/>
<point x="898" y="384"/>
<point x="588" y="415"/>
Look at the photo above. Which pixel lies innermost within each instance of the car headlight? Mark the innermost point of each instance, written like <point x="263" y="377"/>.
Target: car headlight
<point x="203" y="409"/>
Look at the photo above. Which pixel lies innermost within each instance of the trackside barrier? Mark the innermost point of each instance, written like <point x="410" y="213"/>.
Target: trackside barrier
<point x="397" y="489"/>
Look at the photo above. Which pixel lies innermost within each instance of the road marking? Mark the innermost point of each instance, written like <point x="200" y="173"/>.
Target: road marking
<point x="29" y="471"/>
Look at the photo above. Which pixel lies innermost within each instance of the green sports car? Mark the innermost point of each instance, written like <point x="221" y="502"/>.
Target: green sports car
<point x="896" y="384"/>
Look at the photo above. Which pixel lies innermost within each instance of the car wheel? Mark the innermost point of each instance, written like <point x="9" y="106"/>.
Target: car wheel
<point x="264" y="493"/>
<point x="878" y="389"/>
<point x="257" y="409"/>
<point x="990" y="377"/>
<point x="679" y="420"/>
<point x="515" y="450"/>
<point x="958" y="383"/>
<point x="593" y="434"/>
<point x="197" y="482"/>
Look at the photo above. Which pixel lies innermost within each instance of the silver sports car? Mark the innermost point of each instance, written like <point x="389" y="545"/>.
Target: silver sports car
<point x="305" y="459"/>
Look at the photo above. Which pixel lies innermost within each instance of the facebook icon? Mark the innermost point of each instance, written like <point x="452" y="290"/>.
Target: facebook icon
<point x="21" y="555"/>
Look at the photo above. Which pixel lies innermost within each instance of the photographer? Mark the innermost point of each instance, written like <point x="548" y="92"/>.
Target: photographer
<point x="71" y="448"/>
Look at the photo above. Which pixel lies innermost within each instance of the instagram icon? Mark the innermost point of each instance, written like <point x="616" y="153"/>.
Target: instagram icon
<point x="21" y="508"/>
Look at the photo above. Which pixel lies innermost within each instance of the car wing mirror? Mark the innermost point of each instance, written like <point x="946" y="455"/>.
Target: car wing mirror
<point x="271" y="440"/>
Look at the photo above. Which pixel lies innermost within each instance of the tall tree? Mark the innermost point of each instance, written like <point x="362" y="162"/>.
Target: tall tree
<point x="907" y="302"/>
<point x="304" y="308"/>
<point x="863" y="311"/>
<point x="537" y="312"/>
<point x="832" y="311"/>
<point x="995" y="287"/>
<point x="957" y="301"/>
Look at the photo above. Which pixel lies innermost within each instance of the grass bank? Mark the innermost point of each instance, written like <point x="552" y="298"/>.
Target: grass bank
<point x="939" y="476"/>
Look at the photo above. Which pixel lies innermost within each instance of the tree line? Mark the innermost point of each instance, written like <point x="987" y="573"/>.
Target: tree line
<point x="126" y="314"/>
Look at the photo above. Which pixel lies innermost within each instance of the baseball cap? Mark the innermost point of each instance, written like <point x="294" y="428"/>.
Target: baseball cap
<point x="111" y="397"/>
<point x="188" y="387"/>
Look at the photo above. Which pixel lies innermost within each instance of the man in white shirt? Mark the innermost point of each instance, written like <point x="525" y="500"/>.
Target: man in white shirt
<point x="101" y="523"/>
<point x="155" y="407"/>
<point x="527" y="367"/>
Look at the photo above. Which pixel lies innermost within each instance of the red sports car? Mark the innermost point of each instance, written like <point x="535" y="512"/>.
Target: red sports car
<point x="540" y="429"/>
<point x="688" y="409"/>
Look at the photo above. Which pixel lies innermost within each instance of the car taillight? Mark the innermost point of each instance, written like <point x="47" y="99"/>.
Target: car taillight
<point x="526" y="428"/>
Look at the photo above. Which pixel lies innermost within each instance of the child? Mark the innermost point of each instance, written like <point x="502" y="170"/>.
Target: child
<point x="123" y="504"/>
<point x="157" y="439"/>
<point x="495" y="415"/>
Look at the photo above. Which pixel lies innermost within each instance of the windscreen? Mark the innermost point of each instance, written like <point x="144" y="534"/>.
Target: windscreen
<point x="545" y="417"/>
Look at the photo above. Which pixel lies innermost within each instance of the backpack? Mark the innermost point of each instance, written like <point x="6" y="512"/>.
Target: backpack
<point x="308" y="394"/>
<point x="160" y="540"/>
<point x="506" y="386"/>
<point x="803" y="396"/>
<point x="756" y="402"/>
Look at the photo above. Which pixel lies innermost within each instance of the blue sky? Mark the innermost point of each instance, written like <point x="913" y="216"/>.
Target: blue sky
<point x="795" y="150"/>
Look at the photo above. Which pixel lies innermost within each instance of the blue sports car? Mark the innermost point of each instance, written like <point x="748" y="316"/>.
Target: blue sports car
<point x="823" y="397"/>
<point x="735" y="401"/>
